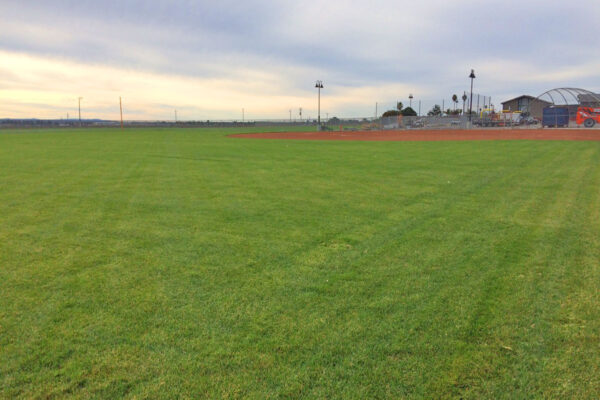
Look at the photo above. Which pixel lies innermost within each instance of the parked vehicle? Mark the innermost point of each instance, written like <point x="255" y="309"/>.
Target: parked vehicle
<point x="588" y="116"/>
<point x="529" y="120"/>
<point x="418" y="123"/>
<point x="555" y="117"/>
<point x="491" y="118"/>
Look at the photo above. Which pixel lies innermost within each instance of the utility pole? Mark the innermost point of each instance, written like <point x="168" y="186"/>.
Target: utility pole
<point x="419" y="108"/>
<point x="300" y="114"/>
<point x="243" y="115"/>
<point x="121" y="107"/>
<point x="375" y="110"/>
<point x="80" y="98"/>
<point x="290" y="116"/>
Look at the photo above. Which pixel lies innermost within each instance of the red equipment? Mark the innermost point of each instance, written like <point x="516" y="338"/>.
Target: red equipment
<point x="588" y="116"/>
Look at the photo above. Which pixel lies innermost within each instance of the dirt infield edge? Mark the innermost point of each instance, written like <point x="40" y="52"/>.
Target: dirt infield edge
<point x="433" y="135"/>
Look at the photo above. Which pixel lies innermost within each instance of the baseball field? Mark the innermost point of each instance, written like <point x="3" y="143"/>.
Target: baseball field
<point x="185" y="263"/>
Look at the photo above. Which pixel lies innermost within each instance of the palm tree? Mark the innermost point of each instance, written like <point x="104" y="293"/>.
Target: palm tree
<point x="399" y="106"/>
<point x="464" y="98"/>
<point x="454" y="100"/>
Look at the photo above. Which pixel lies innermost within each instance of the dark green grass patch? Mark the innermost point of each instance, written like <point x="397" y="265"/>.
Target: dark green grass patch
<point x="182" y="263"/>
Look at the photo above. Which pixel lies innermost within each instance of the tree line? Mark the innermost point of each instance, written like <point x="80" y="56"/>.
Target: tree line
<point x="400" y="110"/>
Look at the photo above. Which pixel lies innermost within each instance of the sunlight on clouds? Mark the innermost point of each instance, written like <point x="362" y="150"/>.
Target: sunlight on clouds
<point x="32" y="81"/>
<point x="48" y="88"/>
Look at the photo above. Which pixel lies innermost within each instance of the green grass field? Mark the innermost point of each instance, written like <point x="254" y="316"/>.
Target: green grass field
<point x="184" y="264"/>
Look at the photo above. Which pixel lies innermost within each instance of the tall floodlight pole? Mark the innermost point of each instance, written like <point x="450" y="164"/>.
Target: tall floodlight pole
<point x="243" y="115"/>
<point x="410" y="97"/>
<point x="319" y="86"/>
<point x="472" y="76"/>
<point x="290" y="116"/>
<point x="79" y="106"/>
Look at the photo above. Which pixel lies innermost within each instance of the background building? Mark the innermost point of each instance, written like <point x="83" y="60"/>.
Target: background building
<point x="526" y="103"/>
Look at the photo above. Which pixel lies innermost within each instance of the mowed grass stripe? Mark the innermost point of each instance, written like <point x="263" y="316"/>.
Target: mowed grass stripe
<point x="184" y="263"/>
<point x="428" y="240"/>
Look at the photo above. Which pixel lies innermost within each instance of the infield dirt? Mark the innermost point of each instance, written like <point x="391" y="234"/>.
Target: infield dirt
<point x="435" y="135"/>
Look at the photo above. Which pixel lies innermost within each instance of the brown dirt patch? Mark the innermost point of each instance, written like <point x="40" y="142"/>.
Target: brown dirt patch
<point x="435" y="135"/>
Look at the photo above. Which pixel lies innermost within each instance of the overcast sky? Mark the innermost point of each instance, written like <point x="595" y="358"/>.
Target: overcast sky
<point x="210" y="59"/>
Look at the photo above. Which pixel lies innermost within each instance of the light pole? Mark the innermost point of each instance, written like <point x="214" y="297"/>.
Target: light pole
<point x="319" y="86"/>
<point x="472" y="76"/>
<point x="79" y="101"/>
<point x="410" y="97"/>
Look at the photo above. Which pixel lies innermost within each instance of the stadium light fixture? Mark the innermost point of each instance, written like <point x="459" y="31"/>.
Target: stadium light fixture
<point x="410" y="97"/>
<point x="319" y="86"/>
<point x="472" y="76"/>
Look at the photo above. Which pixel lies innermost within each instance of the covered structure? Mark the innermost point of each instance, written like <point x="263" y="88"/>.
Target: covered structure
<point x="570" y="98"/>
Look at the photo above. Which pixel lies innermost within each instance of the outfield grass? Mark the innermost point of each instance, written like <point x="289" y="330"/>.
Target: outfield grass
<point x="182" y="263"/>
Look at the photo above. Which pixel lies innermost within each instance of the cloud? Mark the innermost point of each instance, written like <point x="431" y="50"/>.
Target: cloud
<point x="213" y="58"/>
